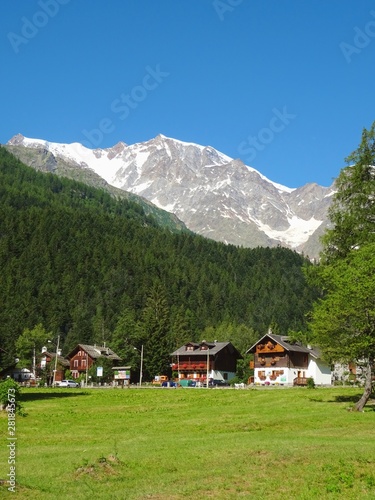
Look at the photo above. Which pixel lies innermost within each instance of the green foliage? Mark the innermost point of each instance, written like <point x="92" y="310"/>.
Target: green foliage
<point x="310" y="383"/>
<point x="31" y="342"/>
<point x="243" y="369"/>
<point x="343" y="319"/>
<point x="10" y="393"/>
<point x="352" y="212"/>
<point x="107" y="376"/>
<point x="241" y="336"/>
<point x="155" y="329"/>
<point x="92" y="268"/>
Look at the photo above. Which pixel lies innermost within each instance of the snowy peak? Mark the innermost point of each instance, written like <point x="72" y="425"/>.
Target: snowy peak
<point x="213" y="194"/>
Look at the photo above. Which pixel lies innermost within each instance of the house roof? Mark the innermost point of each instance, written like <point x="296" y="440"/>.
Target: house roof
<point x="95" y="352"/>
<point x="60" y="359"/>
<point x="283" y="340"/>
<point x="213" y="348"/>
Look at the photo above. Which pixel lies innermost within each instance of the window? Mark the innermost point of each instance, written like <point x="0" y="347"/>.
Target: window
<point x="83" y="362"/>
<point x="262" y="375"/>
<point x="75" y="363"/>
<point x="225" y="376"/>
<point x="189" y="348"/>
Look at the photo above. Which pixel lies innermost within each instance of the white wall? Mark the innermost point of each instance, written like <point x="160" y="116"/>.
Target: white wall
<point x="285" y="379"/>
<point x="319" y="371"/>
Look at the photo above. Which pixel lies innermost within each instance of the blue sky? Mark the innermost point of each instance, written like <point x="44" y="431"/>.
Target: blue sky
<point x="285" y="85"/>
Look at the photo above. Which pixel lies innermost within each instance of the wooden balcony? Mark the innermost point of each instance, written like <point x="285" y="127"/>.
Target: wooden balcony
<point x="269" y="347"/>
<point x="300" y="381"/>
<point x="193" y="366"/>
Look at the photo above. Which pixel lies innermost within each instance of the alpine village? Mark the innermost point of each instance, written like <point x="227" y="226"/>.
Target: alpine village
<point x="100" y="289"/>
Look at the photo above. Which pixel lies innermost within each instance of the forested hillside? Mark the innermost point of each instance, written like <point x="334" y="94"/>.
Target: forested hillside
<point x="94" y="269"/>
<point x="43" y="160"/>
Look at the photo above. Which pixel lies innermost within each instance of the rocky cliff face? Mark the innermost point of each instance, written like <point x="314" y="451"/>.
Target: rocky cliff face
<point x="214" y="195"/>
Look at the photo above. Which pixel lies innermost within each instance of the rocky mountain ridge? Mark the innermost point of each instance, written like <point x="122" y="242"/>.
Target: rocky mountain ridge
<point x="213" y="194"/>
<point x="43" y="160"/>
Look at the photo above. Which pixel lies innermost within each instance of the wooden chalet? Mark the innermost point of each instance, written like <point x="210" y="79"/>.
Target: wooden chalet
<point x="48" y="363"/>
<point x="199" y="360"/>
<point x="82" y="357"/>
<point x="277" y="361"/>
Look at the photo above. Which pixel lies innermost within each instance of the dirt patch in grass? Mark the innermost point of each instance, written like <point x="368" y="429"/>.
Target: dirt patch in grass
<point x="100" y="469"/>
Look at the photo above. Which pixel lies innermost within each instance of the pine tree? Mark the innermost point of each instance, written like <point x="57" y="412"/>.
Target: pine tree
<point x="352" y="212"/>
<point x="155" y="328"/>
<point x="343" y="320"/>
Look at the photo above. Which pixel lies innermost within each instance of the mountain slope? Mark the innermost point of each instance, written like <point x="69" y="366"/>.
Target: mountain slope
<point x="97" y="269"/>
<point x="212" y="194"/>
<point x="43" y="160"/>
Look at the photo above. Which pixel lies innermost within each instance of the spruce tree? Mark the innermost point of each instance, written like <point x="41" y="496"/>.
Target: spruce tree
<point x="343" y="320"/>
<point x="352" y="213"/>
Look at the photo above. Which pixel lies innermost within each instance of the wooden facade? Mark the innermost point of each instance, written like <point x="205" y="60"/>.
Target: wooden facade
<point x="84" y="356"/>
<point x="274" y="355"/>
<point x="279" y="361"/>
<point x="80" y="362"/>
<point x="195" y="360"/>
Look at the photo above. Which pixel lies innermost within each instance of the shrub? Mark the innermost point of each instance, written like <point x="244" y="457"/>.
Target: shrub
<point x="10" y="389"/>
<point x="310" y="383"/>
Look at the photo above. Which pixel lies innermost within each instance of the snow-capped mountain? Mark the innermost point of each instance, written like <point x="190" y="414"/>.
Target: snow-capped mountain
<point x="214" y="195"/>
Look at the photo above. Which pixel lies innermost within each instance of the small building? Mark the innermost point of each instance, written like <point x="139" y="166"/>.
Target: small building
<point x="278" y="361"/>
<point x="48" y="363"/>
<point x="21" y="375"/>
<point x="82" y="357"/>
<point x="199" y="360"/>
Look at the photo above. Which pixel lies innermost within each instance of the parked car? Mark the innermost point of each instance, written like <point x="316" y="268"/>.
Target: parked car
<point x="169" y="383"/>
<point x="220" y="383"/>
<point x="68" y="383"/>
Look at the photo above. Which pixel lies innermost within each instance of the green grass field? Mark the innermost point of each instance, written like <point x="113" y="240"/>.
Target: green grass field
<point x="191" y="443"/>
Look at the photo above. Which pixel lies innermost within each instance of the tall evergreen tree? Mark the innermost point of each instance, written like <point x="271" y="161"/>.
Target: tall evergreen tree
<point x="343" y="320"/>
<point x="352" y="212"/>
<point x="155" y="328"/>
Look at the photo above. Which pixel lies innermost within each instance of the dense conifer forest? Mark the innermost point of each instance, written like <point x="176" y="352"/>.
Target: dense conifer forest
<point x="94" y="269"/>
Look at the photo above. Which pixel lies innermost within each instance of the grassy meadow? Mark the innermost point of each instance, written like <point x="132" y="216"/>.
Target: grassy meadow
<point x="174" y="444"/>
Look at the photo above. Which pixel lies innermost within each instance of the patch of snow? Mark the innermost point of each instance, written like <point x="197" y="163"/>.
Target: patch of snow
<point x="330" y="193"/>
<point x="169" y="208"/>
<point x="141" y="159"/>
<point x="139" y="188"/>
<point x="298" y="232"/>
<point x="279" y="187"/>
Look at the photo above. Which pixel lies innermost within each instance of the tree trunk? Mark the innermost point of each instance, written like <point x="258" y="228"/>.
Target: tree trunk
<point x="368" y="387"/>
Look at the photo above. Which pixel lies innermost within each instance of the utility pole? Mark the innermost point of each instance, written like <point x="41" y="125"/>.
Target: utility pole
<point x="141" y="368"/>
<point x="57" y="354"/>
<point x="208" y="365"/>
<point x="87" y="367"/>
<point x="34" y="363"/>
